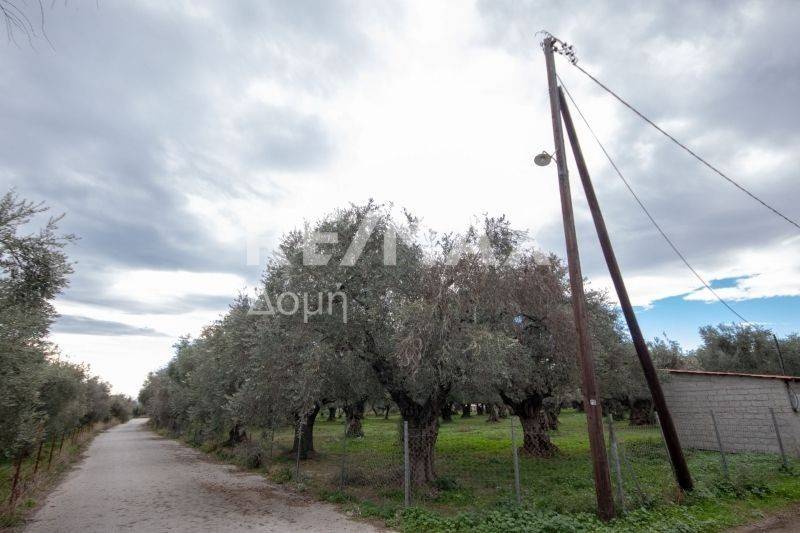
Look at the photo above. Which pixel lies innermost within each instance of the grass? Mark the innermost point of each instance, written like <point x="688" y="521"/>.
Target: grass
<point x="31" y="486"/>
<point x="475" y="489"/>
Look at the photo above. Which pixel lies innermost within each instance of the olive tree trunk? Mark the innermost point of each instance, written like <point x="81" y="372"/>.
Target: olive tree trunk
<point x="422" y="435"/>
<point x="615" y="408"/>
<point x="642" y="413"/>
<point x="535" y="440"/>
<point x="447" y="412"/>
<point x="236" y="435"/>
<point x="423" y="430"/>
<point x="493" y="412"/>
<point x="551" y="409"/>
<point x="304" y="433"/>
<point x="354" y="414"/>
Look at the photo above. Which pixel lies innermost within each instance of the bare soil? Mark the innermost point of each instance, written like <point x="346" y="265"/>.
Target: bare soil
<point x="785" y="521"/>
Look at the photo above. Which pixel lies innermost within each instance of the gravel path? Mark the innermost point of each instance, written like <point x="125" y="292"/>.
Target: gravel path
<point x="134" y="480"/>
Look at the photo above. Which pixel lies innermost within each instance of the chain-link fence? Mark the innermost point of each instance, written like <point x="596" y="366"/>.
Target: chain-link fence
<point x="727" y="455"/>
<point x="478" y="463"/>
<point x="48" y="456"/>
<point x="397" y="464"/>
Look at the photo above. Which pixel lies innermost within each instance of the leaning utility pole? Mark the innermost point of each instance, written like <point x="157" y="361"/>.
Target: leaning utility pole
<point x="679" y="465"/>
<point x="591" y="402"/>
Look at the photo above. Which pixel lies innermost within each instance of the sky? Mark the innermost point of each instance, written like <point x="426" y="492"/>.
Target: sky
<point x="173" y="133"/>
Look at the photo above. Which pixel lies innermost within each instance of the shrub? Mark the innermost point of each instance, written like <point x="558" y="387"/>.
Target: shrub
<point x="281" y="475"/>
<point x="445" y="483"/>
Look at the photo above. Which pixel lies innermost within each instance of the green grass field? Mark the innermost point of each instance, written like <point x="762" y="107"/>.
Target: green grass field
<point x="475" y="490"/>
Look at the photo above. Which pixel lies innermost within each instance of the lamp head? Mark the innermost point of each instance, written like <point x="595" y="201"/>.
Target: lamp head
<point x="543" y="159"/>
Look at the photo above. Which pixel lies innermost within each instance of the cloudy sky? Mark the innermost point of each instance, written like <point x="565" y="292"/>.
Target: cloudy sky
<point x="170" y="133"/>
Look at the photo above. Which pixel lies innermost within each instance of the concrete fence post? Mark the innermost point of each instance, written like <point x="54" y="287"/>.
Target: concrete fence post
<point x="615" y="465"/>
<point x="39" y="456"/>
<point x="52" y="447"/>
<point x="271" y="439"/>
<point x="299" y="447"/>
<point x="15" y="480"/>
<point x="780" y="440"/>
<point x="344" y="457"/>
<point x="723" y="459"/>
<point x="406" y="466"/>
<point x="515" y="454"/>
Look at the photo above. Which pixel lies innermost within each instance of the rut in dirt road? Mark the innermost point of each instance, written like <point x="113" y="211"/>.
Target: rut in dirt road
<point x="134" y="480"/>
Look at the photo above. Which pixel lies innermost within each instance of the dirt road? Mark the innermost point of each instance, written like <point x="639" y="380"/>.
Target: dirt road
<point x="133" y="480"/>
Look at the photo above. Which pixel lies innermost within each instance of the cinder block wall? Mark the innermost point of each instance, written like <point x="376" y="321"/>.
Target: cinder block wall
<point x="741" y="406"/>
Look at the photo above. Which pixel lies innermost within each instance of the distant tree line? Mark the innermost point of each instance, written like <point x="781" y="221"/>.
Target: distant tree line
<point x="40" y="394"/>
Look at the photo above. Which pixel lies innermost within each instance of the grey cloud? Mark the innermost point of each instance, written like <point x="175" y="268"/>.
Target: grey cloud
<point x="82" y="325"/>
<point x="272" y="144"/>
<point x="125" y="117"/>
<point x="90" y="291"/>
<point x="743" y="96"/>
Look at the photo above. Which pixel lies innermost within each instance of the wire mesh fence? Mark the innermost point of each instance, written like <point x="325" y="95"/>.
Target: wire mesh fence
<point x="726" y="456"/>
<point x="394" y="464"/>
<point x="477" y="463"/>
<point x="480" y="462"/>
<point x="48" y="456"/>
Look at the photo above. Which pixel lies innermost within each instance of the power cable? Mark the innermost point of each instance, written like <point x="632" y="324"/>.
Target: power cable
<point x="686" y="148"/>
<point x="646" y="211"/>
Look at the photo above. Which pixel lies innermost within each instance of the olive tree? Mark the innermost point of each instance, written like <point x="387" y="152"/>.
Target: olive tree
<point x="744" y="348"/>
<point x="391" y="304"/>
<point x="530" y="308"/>
<point x="33" y="270"/>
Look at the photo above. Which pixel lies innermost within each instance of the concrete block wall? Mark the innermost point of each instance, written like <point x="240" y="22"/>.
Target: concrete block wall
<point x="741" y="406"/>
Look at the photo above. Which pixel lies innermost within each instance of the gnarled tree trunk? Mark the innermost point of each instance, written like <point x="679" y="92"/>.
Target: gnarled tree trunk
<point x="331" y="414"/>
<point x="423" y="429"/>
<point x="642" y="412"/>
<point x="305" y="435"/>
<point x="355" y="415"/>
<point x="422" y="436"/>
<point x="493" y="412"/>
<point x="236" y="435"/>
<point x="422" y="417"/>
<point x="535" y="440"/>
<point x="615" y="408"/>
<point x="447" y="412"/>
<point x="551" y="407"/>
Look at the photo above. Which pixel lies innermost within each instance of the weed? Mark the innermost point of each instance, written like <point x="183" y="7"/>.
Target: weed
<point x="281" y="475"/>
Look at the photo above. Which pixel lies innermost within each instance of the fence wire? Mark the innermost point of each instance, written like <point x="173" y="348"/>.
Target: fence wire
<point x="46" y="459"/>
<point x="484" y="461"/>
<point x="728" y="455"/>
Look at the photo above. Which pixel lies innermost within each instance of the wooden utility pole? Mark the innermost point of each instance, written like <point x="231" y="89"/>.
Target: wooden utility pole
<point x="591" y="398"/>
<point x="679" y="465"/>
